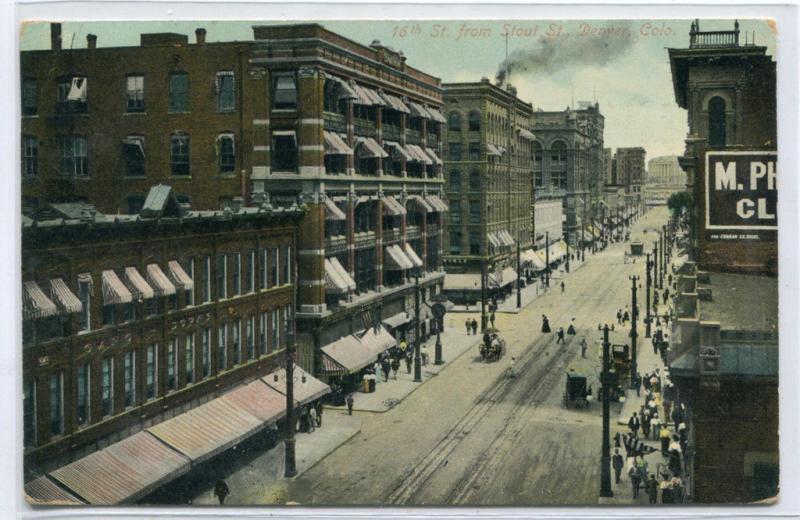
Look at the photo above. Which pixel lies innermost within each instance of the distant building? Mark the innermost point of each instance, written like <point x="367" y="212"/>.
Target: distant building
<point x="664" y="177"/>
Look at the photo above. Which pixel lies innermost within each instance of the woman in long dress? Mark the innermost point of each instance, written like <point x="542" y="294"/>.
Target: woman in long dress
<point x="545" y="324"/>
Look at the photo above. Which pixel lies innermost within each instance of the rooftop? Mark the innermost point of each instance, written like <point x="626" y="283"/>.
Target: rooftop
<point x="742" y="302"/>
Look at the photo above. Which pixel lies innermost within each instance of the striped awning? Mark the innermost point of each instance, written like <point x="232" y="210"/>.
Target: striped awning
<point x="493" y="240"/>
<point x="412" y="255"/>
<point x="362" y="98"/>
<point x="346" y="356"/>
<point x="437" y="203"/>
<point x="395" y="259"/>
<point x="395" y="102"/>
<point x="419" y="110"/>
<point x="335" y="145"/>
<point x="332" y="211"/>
<point x="333" y="280"/>
<point x="398" y="151"/>
<point x="35" y="303"/>
<point x="179" y="277"/>
<point x="64" y="298"/>
<point x="45" y="492"/>
<point x="419" y="154"/>
<point x="525" y="134"/>
<point x="507" y="238"/>
<point x="493" y="150"/>
<point x="370" y="148"/>
<point x="343" y="274"/>
<point x="344" y="91"/>
<point x="159" y="281"/>
<point x="421" y="202"/>
<point x="307" y="388"/>
<point x="114" y="291"/>
<point x="433" y="156"/>
<point x="137" y="284"/>
<point x="373" y="95"/>
<point x="392" y="207"/>
<point x="436" y="115"/>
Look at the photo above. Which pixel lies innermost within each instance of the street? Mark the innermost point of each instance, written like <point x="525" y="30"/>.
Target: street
<point x="476" y="436"/>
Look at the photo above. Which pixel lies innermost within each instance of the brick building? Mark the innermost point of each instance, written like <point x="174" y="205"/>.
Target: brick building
<point x="129" y="320"/>
<point x="631" y="175"/>
<point x="488" y="171"/>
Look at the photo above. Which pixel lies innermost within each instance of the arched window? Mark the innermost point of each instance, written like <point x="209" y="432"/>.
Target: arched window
<point x="474" y="121"/>
<point x="454" y="122"/>
<point x="475" y="181"/>
<point x="716" y="121"/>
<point x="455" y="181"/>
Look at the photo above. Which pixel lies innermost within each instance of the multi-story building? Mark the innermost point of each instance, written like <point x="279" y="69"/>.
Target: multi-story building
<point x="664" y="177"/>
<point x="298" y="114"/>
<point x="568" y="164"/>
<point x="723" y="354"/>
<point x="488" y="171"/>
<point x="129" y="320"/>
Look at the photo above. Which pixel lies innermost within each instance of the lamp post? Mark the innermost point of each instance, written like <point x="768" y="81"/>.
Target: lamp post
<point x="634" y="333"/>
<point x="290" y="467"/>
<point x="605" y="457"/>
<point x="547" y="258"/>
<point x="417" y="354"/>
<point x="663" y="256"/>
<point x="483" y="294"/>
<point x="438" y="309"/>
<point x="649" y="280"/>
<point x="566" y="266"/>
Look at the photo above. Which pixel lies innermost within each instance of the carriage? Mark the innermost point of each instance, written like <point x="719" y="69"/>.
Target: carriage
<point x="620" y="358"/>
<point x="496" y="346"/>
<point x="637" y="248"/>
<point x="576" y="390"/>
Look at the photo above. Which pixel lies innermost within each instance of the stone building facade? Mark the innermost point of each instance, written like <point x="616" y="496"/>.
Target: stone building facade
<point x="664" y="177"/>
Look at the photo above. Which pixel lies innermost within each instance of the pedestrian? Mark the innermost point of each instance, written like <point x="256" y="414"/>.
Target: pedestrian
<point x="312" y="419"/>
<point x="395" y="367"/>
<point x="666" y="490"/>
<point x="633" y="424"/>
<point x="474" y="327"/>
<point x="655" y="426"/>
<point x="545" y="324"/>
<point x="626" y="315"/>
<point x="664" y="436"/>
<point x="221" y="491"/>
<point x="386" y="367"/>
<point x="376" y="368"/>
<point x="617" y="437"/>
<point x="409" y="359"/>
<point x="349" y="404"/>
<point x="678" y="416"/>
<point x="641" y="464"/>
<point x="560" y="335"/>
<point x="319" y="414"/>
<point x="617" y="463"/>
<point x="491" y="318"/>
<point x="584" y="346"/>
<point x="684" y="436"/>
<point x="633" y="474"/>
<point x="619" y="317"/>
<point x="637" y="383"/>
<point x="651" y="487"/>
<point x="468" y="324"/>
<point x="646" y="424"/>
<point x="571" y="329"/>
<point x="562" y="287"/>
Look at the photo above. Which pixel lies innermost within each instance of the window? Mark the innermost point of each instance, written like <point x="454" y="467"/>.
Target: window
<point x="133" y="155"/>
<point x="222" y="277"/>
<point x="455" y="212"/>
<point x="237" y="274"/>
<point x="284" y="151"/>
<point x="206" y="352"/>
<point x="474" y="181"/>
<point x="251" y="345"/>
<point x="71" y="95"/>
<point x="207" y="279"/>
<point x="474" y="243"/>
<point x="237" y="342"/>
<point x="287" y="265"/>
<point x="172" y="361"/>
<point x="474" y="121"/>
<point x="190" y="292"/>
<point x="226" y="95"/>
<point x="29" y="97"/>
<point x="189" y="358"/>
<point x="178" y="92"/>
<point x="250" y="272"/>
<point x="57" y="404"/>
<point x="107" y="387"/>
<point x="276" y="333"/>
<point x="287" y="316"/>
<point x="30" y="156"/>
<point x="262" y="335"/>
<point x="29" y="413"/>
<point x="274" y="264"/>
<point x="135" y="204"/>
<point x="284" y="92"/>
<point x="474" y="151"/>
<point x="222" y="348"/>
<point x="455" y="181"/>
<point x="151" y="372"/>
<point x="474" y="211"/>
<point x="72" y="155"/>
<point x="558" y="154"/>
<point x="226" y="156"/>
<point x="538" y="179"/>
<point x="262" y="269"/>
<point x="129" y="377"/>
<point x="134" y="93"/>
<point x="179" y="154"/>
<point x="109" y="314"/>
<point x="716" y="121"/>
<point x="454" y="122"/>
<point x="83" y="395"/>
<point x="454" y="149"/>
<point x="455" y="242"/>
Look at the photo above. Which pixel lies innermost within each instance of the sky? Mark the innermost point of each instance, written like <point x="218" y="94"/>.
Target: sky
<point x="621" y="64"/>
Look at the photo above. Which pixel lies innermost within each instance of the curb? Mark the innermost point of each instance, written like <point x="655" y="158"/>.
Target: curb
<point x="300" y="473"/>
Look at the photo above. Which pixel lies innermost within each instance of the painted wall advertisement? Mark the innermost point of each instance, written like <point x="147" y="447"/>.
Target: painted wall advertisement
<point x="741" y="195"/>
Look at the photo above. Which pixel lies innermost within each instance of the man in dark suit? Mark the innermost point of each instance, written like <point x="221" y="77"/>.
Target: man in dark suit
<point x="633" y="424"/>
<point x="617" y="462"/>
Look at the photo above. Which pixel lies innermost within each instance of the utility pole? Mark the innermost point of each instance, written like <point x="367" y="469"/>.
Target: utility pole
<point x="417" y="354"/>
<point x="519" y="280"/>
<point x="605" y="458"/>
<point x="290" y="467"/>
<point x="483" y="295"/>
<point x="634" y="333"/>
<point x="567" y="264"/>
<point x="647" y="318"/>
<point x="661" y="271"/>
<point x="547" y="258"/>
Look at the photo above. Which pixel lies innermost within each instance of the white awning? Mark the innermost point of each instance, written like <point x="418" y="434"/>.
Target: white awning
<point x="77" y="90"/>
<point x="395" y="259"/>
<point x="436" y="115"/>
<point x="346" y="356"/>
<point x="419" y="110"/>
<point x="392" y="207"/>
<point x="419" y="154"/>
<point x="332" y="211"/>
<point x="373" y="95"/>
<point x="437" y="203"/>
<point x="493" y="150"/>
<point x="159" y="281"/>
<point x="137" y="284"/>
<point x="536" y="263"/>
<point x="493" y="240"/>
<point x="462" y="282"/>
<point x="335" y="145"/>
<point x="64" y="298"/>
<point x="179" y="276"/>
<point x="369" y="148"/>
<point x="509" y="240"/>
<point x="114" y="291"/>
<point x="35" y="303"/>
<point x="502" y="278"/>
<point x="525" y="134"/>
<point x="362" y="97"/>
<point x="412" y="255"/>
<point x="135" y="141"/>
<point x="333" y="280"/>
<point x="432" y="154"/>
<point x="395" y="102"/>
<point x="399" y="150"/>
<point x="421" y="202"/>
<point x="343" y="91"/>
<point x="343" y="274"/>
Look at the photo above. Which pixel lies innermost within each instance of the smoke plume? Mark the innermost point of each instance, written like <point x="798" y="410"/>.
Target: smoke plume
<point x="582" y="47"/>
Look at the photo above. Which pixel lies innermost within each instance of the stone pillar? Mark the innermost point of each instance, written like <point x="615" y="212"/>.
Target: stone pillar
<point x="310" y="137"/>
<point x="351" y="159"/>
<point x="379" y="243"/>
<point x="423" y="228"/>
<point x="403" y="171"/>
<point x="351" y="231"/>
<point x="311" y="258"/>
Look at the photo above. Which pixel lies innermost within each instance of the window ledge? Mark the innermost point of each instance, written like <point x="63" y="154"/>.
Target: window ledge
<point x="187" y="177"/>
<point x="30" y="116"/>
<point x="128" y="113"/>
<point x="135" y="177"/>
<point x="175" y="112"/>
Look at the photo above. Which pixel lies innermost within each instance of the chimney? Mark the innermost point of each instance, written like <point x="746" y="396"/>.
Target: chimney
<point x="200" y="35"/>
<point x="55" y="36"/>
<point x="91" y="41"/>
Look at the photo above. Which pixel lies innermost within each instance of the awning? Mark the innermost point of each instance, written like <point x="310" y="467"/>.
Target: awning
<point x="207" y="430"/>
<point x="373" y="95"/>
<point x="437" y="203"/>
<point x="136" y="142"/>
<point x="137" y="284"/>
<point x="537" y="264"/>
<point x="462" y="282"/>
<point x="417" y="199"/>
<point x="401" y="318"/>
<point x="306" y="388"/>
<point x="335" y="145"/>
<point x="45" y="492"/>
<point x="332" y="211"/>
<point x="561" y="247"/>
<point x="395" y="102"/>
<point x="525" y="134"/>
<point x="398" y="151"/>
<point x="412" y="255"/>
<point x="346" y="356"/>
<point x="418" y="110"/>
<point x="493" y="150"/>
<point x="343" y="274"/>
<point x="502" y="278"/>
<point x="333" y="280"/>
<point x="259" y="400"/>
<point x="370" y="148"/>
<point x="179" y="277"/>
<point x="378" y="340"/>
<point x="35" y="303"/>
<point x="493" y="240"/>
<point x="432" y="154"/>
<point x="362" y="98"/>
<point x="159" y="281"/>
<point x="114" y="291"/>
<point x="344" y="91"/>
<point x="63" y="297"/>
<point x="395" y="259"/>
<point x="392" y="207"/>
<point x="124" y="471"/>
<point x="436" y="115"/>
<point x="419" y="154"/>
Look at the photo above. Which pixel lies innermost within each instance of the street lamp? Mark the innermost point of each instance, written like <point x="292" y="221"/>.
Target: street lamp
<point x="567" y="264"/>
<point x="290" y="467"/>
<point x="417" y="354"/>
<point x="634" y="333"/>
<point x="438" y="309"/>
<point x="547" y="257"/>
<point x="647" y="319"/>
<point x="605" y="381"/>
<point x="519" y="280"/>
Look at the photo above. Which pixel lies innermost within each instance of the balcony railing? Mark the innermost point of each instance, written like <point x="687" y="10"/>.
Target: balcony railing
<point x="413" y="136"/>
<point x="391" y="132"/>
<point x="714" y="39"/>
<point x="365" y="128"/>
<point x="391" y="235"/>
<point x="335" y="244"/>
<point x="412" y="232"/>
<point x="364" y="239"/>
<point x="335" y="122"/>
